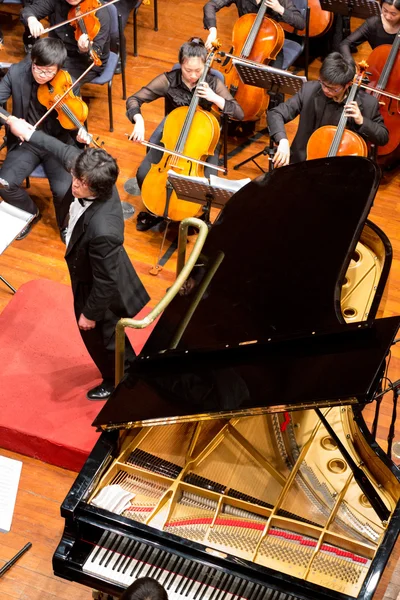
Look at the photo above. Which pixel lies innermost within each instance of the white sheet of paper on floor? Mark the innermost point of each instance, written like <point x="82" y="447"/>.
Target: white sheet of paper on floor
<point x="10" y="471"/>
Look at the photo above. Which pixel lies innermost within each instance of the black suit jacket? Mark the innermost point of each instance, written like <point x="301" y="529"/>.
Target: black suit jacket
<point x="17" y="84"/>
<point x="309" y="103"/>
<point x="102" y="275"/>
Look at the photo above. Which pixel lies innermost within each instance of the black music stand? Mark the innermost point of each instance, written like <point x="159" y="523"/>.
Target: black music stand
<point x="352" y="8"/>
<point x="201" y="192"/>
<point x="272" y="80"/>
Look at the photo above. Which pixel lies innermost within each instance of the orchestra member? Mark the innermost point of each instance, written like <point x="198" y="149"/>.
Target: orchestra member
<point x="377" y="30"/>
<point x="104" y="283"/>
<point x="78" y="52"/>
<point x="145" y="588"/>
<point x="177" y="87"/>
<point x="21" y="84"/>
<point x="279" y="10"/>
<point x="321" y="103"/>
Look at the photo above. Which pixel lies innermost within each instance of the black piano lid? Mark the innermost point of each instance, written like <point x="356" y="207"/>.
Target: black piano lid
<point x="286" y="240"/>
<point x="340" y="366"/>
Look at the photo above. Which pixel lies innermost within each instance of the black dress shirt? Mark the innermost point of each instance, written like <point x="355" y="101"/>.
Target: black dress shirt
<point x="171" y="87"/>
<point x="370" y="31"/>
<point x="291" y="15"/>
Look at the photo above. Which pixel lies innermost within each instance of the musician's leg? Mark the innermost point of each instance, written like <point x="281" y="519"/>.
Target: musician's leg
<point x="19" y="164"/>
<point x="152" y="157"/>
<point x="60" y="182"/>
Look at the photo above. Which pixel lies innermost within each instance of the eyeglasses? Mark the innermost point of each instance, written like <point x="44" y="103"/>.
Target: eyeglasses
<point x="44" y="72"/>
<point x="334" y="90"/>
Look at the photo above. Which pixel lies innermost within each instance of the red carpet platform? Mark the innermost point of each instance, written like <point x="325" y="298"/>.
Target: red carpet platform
<point x="44" y="374"/>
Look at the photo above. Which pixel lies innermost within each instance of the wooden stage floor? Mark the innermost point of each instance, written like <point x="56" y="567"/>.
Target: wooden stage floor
<point x="40" y="255"/>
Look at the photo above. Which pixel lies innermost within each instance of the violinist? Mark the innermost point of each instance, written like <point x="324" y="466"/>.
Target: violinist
<point x="321" y="103"/>
<point x="377" y="30"/>
<point x="177" y="87"/>
<point x="21" y="84"/>
<point x="78" y="51"/>
<point x="279" y="10"/>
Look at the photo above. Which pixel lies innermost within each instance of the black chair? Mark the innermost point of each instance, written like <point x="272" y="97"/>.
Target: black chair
<point x="296" y="44"/>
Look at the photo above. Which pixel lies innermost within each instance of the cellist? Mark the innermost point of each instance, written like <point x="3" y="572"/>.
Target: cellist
<point x="78" y="51"/>
<point x="177" y="87"/>
<point x="321" y="103"/>
<point x="279" y="10"/>
<point x="377" y="30"/>
<point x="21" y="84"/>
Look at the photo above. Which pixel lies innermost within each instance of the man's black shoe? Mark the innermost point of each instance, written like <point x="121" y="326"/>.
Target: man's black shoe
<point x="63" y="234"/>
<point x="28" y="227"/>
<point x="100" y="392"/>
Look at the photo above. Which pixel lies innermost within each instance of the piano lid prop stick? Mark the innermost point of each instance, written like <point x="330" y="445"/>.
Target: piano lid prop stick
<point x="14" y="559"/>
<point x="373" y="497"/>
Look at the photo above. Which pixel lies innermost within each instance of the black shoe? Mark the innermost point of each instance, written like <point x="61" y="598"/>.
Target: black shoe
<point x="146" y="221"/>
<point x="63" y="234"/>
<point x="118" y="68"/>
<point x="101" y="392"/>
<point x="28" y="227"/>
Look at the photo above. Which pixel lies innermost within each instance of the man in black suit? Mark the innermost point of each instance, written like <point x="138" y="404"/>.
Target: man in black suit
<point x="104" y="283"/>
<point x="322" y="103"/>
<point x="21" y="84"/>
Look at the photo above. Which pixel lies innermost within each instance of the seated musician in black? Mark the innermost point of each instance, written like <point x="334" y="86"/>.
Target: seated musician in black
<point x="145" y="588"/>
<point x="321" y="103"/>
<point x="78" y="51"/>
<point x="177" y="87"/>
<point x="21" y="84"/>
<point x="376" y="30"/>
<point x="283" y="10"/>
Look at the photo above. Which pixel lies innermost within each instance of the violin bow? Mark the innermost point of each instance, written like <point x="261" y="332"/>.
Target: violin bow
<point x="88" y="12"/>
<point x="179" y="155"/>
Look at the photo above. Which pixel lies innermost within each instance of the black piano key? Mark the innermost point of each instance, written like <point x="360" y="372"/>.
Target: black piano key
<point x="204" y="581"/>
<point x="171" y="568"/>
<point x="116" y="549"/>
<point x="101" y="545"/>
<point x="153" y="559"/>
<point x="156" y="564"/>
<point x="184" y="574"/>
<point x="235" y="586"/>
<point x="241" y="588"/>
<point x="143" y="548"/>
<point x="192" y="578"/>
<point x="220" y="587"/>
<point x="130" y="554"/>
<point x="109" y="544"/>
<point x="143" y="562"/>
<point x="255" y="592"/>
<point x="124" y="555"/>
<point x="177" y="567"/>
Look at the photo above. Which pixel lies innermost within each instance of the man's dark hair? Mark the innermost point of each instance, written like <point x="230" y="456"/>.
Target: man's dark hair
<point x="337" y="70"/>
<point x="145" y="588"/>
<point x="194" y="48"/>
<point x="395" y="3"/>
<point x="49" y="51"/>
<point x="99" y="170"/>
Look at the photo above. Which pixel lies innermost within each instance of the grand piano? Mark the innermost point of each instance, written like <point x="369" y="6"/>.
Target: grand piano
<point x="235" y="462"/>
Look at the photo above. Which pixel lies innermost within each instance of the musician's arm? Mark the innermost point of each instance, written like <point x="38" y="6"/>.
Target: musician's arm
<point x="65" y="153"/>
<point x="291" y="15"/>
<point x="284" y="113"/>
<point x="230" y="106"/>
<point x="210" y="10"/>
<point x="373" y="128"/>
<point x="103" y="37"/>
<point x="5" y="92"/>
<point x="39" y="10"/>
<point x="359" y="35"/>
<point x="157" y="88"/>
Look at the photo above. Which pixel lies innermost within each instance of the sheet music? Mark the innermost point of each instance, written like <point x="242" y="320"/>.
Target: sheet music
<point x="12" y="221"/>
<point x="231" y="185"/>
<point x="10" y="471"/>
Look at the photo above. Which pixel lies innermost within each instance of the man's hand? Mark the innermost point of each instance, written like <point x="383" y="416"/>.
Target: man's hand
<point x="20" y="128"/>
<point x="83" y="136"/>
<point x="86" y="324"/>
<point x="138" y="132"/>
<point x="282" y="155"/>
<point x="212" y="36"/>
<point x="83" y="43"/>
<point x="275" y="6"/>
<point x="353" y="110"/>
<point x="35" y="27"/>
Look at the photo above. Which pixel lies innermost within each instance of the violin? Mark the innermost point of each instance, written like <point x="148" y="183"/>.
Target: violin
<point x="384" y="75"/>
<point x="188" y="130"/>
<point x="89" y="24"/>
<point x="259" y="39"/>
<point x="339" y="141"/>
<point x="72" y="110"/>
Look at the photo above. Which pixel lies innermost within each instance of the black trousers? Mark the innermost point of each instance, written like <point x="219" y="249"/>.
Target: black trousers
<point x="100" y="343"/>
<point x="19" y="164"/>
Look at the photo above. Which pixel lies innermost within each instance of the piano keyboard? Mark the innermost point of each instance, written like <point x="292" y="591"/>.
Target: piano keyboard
<point x="121" y="560"/>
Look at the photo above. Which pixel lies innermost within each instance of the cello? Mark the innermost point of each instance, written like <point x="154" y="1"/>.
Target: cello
<point x="188" y="130"/>
<point x="320" y="21"/>
<point x="384" y="74"/>
<point x="331" y="140"/>
<point x="260" y="39"/>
